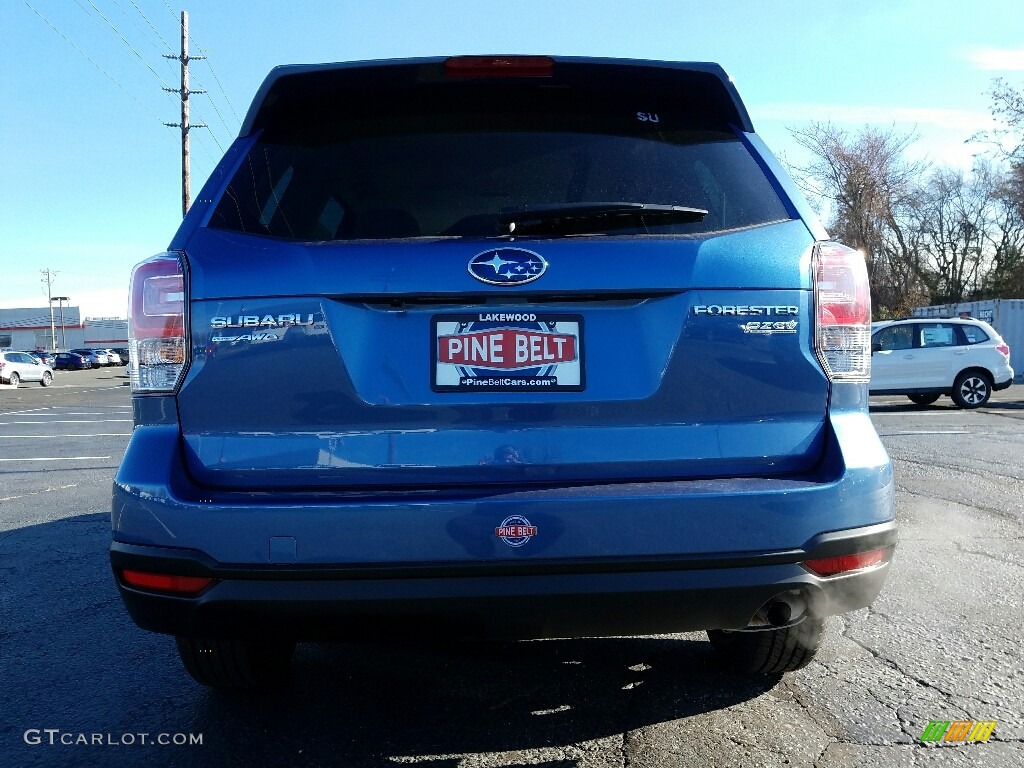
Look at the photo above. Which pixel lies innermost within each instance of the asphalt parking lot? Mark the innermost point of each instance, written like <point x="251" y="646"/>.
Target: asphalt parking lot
<point x="941" y="643"/>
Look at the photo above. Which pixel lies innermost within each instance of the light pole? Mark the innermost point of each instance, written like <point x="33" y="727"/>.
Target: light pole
<point x="60" y="303"/>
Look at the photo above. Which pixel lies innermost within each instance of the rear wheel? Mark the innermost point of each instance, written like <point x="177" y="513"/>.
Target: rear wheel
<point x="972" y="389"/>
<point x="768" y="651"/>
<point x="47" y="379"/>
<point x="14" y="379"/>
<point x="923" y="399"/>
<point x="234" y="664"/>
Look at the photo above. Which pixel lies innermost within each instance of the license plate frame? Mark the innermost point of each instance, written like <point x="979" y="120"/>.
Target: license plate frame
<point x="514" y="351"/>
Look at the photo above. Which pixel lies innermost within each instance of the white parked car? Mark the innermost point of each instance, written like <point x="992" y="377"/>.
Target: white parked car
<point x="925" y="358"/>
<point x="16" y="367"/>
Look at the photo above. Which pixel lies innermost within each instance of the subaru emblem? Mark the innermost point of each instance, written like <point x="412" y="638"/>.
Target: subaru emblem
<point x="507" y="266"/>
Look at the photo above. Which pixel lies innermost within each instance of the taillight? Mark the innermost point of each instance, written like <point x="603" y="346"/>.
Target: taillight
<point x="165" y="582"/>
<point x="156" y="327"/>
<point x="499" y="66"/>
<point x="842" y="298"/>
<point x="833" y="566"/>
<point x="1004" y="350"/>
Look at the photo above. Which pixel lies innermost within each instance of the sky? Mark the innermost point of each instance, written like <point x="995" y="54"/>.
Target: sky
<point x="92" y="177"/>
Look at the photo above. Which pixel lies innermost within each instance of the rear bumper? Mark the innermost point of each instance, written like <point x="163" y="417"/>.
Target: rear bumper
<point x="520" y="600"/>
<point x="612" y="559"/>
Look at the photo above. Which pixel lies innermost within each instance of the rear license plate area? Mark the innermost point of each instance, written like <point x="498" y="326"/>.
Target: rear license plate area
<point x="507" y="352"/>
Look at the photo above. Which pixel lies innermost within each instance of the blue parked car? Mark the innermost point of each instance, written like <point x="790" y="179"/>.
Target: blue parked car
<point x="71" y="361"/>
<point x="94" y="359"/>
<point x="586" y="364"/>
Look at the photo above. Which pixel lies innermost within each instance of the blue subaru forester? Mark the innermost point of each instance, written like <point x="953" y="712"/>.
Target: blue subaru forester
<point x="517" y="347"/>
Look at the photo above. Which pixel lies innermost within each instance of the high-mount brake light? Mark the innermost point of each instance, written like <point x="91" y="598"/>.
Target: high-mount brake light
<point x="833" y="566"/>
<point x="499" y="66"/>
<point x="156" y="330"/>
<point x="166" y="582"/>
<point x="842" y="298"/>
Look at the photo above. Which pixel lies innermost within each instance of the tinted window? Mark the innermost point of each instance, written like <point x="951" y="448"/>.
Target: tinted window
<point x="895" y="337"/>
<point x="973" y="334"/>
<point x="444" y="162"/>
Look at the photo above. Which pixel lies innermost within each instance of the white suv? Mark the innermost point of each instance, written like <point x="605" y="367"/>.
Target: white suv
<point x="16" y="367"/>
<point x="927" y="358"/>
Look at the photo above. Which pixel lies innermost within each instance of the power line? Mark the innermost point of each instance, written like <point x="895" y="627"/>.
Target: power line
<point x="219" y="115"/>
<point x="152" y="26"/>
<point x="88" y="58"/>
<point x="138" y="25"/>
<point x="138" y="55"/>
<point x="230" y="105"/>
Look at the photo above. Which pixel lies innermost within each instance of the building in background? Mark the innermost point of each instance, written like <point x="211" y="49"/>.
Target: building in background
<point x="29" y="328"/>
<point x="105" y="332"/>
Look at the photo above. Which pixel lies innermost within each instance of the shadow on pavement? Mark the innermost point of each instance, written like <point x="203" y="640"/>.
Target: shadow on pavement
<point x="72" y="660"/>
<point x="944" y="404"/>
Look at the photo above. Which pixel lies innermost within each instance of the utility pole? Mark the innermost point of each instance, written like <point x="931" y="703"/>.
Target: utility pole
<point x="184" y="92"/>
<point x="60" y="303"/>
<point x="48" y="276"/>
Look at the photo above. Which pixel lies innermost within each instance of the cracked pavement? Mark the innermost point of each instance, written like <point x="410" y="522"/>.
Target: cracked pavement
<point x="943" y="642"/>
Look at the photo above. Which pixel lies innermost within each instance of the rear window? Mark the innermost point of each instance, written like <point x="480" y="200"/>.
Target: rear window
<point x="973" y="334"/>
<point x="444" y="160"/>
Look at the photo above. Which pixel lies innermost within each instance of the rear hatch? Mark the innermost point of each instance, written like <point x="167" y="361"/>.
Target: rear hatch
<point x="433" y="274"/>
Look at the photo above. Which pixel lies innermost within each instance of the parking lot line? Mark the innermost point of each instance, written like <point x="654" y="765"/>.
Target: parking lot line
<point x="67" y="421"/>
<point x="61" y="458"/>
<point x="30" y="410"/>
<point x="50" y="437"/>
<point x="72" y="413"/>
<point x="927" y="432"/>
<point x="36" y="493"/>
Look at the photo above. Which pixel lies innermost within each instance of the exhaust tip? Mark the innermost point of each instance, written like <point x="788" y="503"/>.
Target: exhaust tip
<point x="783" y="610"/>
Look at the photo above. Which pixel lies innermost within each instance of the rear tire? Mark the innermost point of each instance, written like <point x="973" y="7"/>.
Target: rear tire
<point x="923" y="399"/>
<point x="14" y="380"/>
<point x="234" y="664"/>
<point x="768" y="651"/>
<point x="47" y="379"/>
<point x="972" y="389"/>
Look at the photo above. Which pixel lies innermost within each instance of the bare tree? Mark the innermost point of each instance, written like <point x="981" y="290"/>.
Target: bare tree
<point x="928" y="235"/>
<point x="1008" y="110"/>
<point x="954" y="218"/>
<point x="872" y="189"/>
<point x="1004" y="237"/>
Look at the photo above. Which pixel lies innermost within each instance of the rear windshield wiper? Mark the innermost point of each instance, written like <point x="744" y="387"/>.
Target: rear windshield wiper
<point x="581" y="218"/>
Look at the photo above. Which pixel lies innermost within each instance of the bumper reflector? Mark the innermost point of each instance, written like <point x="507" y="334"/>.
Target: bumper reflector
<point x="833" y="566"/>
<point x="185" y="585"/>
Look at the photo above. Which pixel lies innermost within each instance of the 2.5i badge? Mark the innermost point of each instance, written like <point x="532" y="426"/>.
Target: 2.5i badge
<point x="507" y="352"/>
